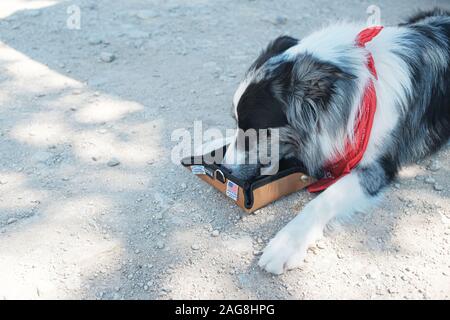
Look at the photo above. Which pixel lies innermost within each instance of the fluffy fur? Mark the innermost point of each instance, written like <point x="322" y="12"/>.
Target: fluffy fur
<point x="311" y="89"/>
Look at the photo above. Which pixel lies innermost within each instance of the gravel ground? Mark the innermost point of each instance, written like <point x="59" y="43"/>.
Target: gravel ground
<point x="91" y="205"/>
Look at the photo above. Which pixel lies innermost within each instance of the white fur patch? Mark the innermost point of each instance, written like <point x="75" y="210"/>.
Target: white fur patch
<point x="392" y="88"/>
<point x="329" y="44"/>
<point x="240" y="91"/>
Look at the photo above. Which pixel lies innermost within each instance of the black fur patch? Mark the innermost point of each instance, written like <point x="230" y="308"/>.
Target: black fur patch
<point x="422" y="15"/>
<point x="390" y="167"/>
<point x="315" y="80"/>
<point x="427" y="127"/>
<point x="275" y="48"/>
<point x="372" y="179"/>
<point x="259" y="109"/>
<point x="377" y="176"/>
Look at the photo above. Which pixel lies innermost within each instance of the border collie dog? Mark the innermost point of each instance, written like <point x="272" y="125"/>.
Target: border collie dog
<point x="311" y="91"/>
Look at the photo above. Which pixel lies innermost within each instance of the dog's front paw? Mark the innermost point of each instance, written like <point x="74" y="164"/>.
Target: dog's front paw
<point x="283" y="252"/>
<point x="288" y="249"/>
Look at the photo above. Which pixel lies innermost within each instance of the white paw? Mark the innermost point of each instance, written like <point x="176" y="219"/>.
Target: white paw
<point x="288" y="249"/>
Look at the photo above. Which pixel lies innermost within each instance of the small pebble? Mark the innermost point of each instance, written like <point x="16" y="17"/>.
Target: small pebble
<point x="11" y="221"/>
<point x="160" y="245"/>
<point x="430" y="180"/>
<point x="146" y="14"/>
<point x="434" y="166"/>
<point x="195" y="246"/>
<point x="320" y="245"/>
<point x="107" y="57"/>
<point x="215" y="233"/>
<point x="438" y="187"/>
<point x="370" y="276"/>
<point x="113" y="162"/>
<point x="279" y="20"/>
<point x="94" y="41"/>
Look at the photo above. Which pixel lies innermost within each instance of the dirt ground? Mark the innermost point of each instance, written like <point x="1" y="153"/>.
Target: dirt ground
<point x="91" y="205"/>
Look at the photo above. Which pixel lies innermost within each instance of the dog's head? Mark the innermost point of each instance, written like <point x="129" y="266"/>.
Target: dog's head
<point x="291" y="94"/>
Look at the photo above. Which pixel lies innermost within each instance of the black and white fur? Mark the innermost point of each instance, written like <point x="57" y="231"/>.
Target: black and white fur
<point x="311" y="89"/>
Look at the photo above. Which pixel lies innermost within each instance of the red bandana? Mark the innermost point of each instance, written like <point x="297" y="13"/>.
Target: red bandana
<point x="353" y="154"/>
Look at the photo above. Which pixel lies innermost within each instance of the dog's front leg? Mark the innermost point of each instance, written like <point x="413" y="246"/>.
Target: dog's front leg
<point x="354" y="192"/>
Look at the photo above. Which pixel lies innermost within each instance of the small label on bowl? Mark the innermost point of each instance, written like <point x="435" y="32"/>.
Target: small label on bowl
<point x="232" y="190"/>
<point x="198" y="169"/>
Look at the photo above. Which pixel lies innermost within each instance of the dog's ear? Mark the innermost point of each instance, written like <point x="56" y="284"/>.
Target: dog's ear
<point x="276" y="47"/>
<point x="314" y="81"/>
<point x="305" y="86"/>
